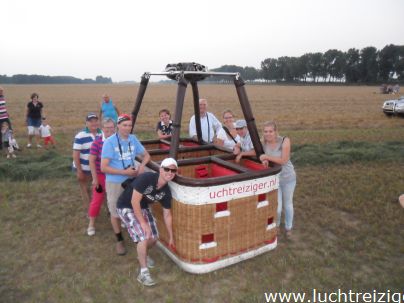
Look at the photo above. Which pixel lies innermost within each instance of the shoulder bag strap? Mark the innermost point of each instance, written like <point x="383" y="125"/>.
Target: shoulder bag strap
<point x="228" y="132"/>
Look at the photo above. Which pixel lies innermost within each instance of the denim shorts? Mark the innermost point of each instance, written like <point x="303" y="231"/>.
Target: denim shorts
<point x="34" y="122"/>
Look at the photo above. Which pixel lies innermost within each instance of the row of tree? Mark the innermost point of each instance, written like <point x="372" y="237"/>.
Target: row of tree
<point x="39" y="79"/>
<point x="367" y="65"/>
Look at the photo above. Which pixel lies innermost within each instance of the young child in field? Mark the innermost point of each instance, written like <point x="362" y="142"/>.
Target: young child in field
<point x="45" y="131"/>
<point x="8" y="140"/>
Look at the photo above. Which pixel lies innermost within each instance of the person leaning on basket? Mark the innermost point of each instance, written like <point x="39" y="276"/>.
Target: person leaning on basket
<point x="118" y="164"/>
<point x="277" y="150"/>
<point x="133" y="209"/>
<point x="245" y="146"/>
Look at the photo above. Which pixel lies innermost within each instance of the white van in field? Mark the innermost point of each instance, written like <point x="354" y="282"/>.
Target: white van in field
<point x="394" y="107"/>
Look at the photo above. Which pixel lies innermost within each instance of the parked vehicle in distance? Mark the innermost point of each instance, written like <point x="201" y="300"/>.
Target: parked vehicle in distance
<point x="394" y="107"/>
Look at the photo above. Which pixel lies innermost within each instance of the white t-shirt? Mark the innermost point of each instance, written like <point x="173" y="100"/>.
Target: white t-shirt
<point x="45" y="130"/>
<point x="208" y="133"/>
<point x="228" y="142"/>
<point x="246" y="143"/>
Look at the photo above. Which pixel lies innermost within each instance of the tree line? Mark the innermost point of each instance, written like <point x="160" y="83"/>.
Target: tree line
<point x="367" y="65"/>
<point x="40" y="79"/>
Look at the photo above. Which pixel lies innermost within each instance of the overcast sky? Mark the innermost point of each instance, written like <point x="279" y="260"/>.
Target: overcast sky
<point x="124" y="38"/>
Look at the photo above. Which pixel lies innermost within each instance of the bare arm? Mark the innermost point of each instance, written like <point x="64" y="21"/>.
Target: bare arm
<point x="168" y="220"/>
<point x="218" y="141"/>
<point x="285" y="156"/>
<point x="161" y="135"/>
<point x="76" y="159"/>
<point x="245" y="154"/>
<point x="105" y="168"/>
<point x="145" y="159"/>
<point x="93" y="168"/>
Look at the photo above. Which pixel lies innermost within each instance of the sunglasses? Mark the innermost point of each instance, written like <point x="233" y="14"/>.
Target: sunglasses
<point x="173" y="170"/>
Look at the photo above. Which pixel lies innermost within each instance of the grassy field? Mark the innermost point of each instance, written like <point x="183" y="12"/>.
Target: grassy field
<point x="349" y="228"/>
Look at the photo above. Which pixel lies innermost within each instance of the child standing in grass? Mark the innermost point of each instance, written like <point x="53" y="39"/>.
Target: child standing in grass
<point x="7" y="139"/>
<point x="46" y="135"/>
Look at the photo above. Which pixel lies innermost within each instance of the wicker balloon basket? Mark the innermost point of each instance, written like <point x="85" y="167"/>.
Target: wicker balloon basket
<point x="223" y="212"/>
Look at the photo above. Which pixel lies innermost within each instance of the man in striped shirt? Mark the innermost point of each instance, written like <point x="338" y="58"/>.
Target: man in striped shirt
<point x="81" y="153"/>
<point x="4" y="117"/>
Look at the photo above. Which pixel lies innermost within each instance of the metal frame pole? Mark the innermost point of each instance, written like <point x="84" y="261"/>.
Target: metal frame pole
<point x="195" y="93"/>
<point x="175" y="138"/>
<point x="248" y="115"/>
<point x="140" y="94"/>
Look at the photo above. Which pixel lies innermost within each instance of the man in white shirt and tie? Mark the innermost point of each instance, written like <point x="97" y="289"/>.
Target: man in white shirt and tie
<point x="210" y="125"/>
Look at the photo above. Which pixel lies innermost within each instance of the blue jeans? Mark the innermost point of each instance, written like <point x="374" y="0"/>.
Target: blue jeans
<point x="285" y="201"/>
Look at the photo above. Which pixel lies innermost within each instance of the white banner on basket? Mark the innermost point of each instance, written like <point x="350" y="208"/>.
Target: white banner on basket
<point x="225" y="192"/>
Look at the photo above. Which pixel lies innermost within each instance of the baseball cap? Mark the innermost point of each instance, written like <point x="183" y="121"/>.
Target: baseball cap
<point x="241" y="123"/>
<point x="169" y="161"/>
<point x="123" y="117"/>
<point x="91" y="116"/>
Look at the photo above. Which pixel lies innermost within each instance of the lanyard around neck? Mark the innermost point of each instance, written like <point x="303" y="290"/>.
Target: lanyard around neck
<point x="120" y="152"/>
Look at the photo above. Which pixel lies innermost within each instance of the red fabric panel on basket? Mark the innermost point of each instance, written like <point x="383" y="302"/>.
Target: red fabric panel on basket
<point x="262" y="197"/>
<point x="219" y="171"/>
<point x="207" y="238"/>
<point x="189" y="144"/>
<point x="253" y="165"/>
<point x="201" y="171"/>
<point x="270" y="220"/>
<point x="164" y="146"/>
<point x="221" y="206"/>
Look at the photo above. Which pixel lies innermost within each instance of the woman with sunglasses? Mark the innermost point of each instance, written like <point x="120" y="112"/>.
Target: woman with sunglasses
<point x="133" y="209"/>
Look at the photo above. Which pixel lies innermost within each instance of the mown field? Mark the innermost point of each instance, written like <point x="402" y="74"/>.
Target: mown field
<point x="349" y="228"/>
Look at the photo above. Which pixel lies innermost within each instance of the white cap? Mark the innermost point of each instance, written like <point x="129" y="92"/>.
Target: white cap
<point x="241" y="123"/>
<point x="169" y="161"/>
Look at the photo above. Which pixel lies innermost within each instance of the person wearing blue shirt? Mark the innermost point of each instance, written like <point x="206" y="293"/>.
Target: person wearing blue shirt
<point x="118" y="163"/>
<point x="108" y="109"/>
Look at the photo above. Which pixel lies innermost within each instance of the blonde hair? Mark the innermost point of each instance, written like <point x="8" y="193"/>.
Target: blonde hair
<point x="270" y="124"/>
<point x="227" y="111"/>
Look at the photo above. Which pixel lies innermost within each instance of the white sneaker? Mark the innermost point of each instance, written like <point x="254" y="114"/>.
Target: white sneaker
<point x="8" y="156"/>
<point x="146" y="279"/>
<point x="14" y="156"/>
<point x="39" y="146"/>
<point x="91" y="231"/>
<point x="29" y="145"/>
<point x="150" y="262"/>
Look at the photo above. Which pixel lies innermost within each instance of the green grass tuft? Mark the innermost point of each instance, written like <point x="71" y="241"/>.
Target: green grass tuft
<point x="346" y="152"/>
<point x="48" y="165"/>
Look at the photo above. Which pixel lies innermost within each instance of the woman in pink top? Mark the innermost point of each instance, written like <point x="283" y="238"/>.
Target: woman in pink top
<point x="108" y="128"/>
